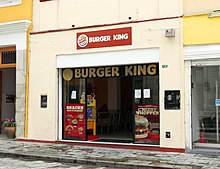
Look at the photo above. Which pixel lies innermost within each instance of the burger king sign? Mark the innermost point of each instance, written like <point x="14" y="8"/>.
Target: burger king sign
<point x="104" y="38"/>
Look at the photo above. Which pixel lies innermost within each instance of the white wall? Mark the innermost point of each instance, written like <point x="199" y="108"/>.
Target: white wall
<point x="63" y="14"/>
<point x="14" y="34"/>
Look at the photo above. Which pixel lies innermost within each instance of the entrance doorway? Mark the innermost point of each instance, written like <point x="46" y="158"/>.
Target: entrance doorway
<point x="7" y="84"/>
<point x="205" y="113"/>
<point x="114" y="108"/>
<point x="7" y="94"/>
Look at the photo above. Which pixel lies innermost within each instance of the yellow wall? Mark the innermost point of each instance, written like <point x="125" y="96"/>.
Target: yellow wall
<point x="199" y="29"/>
<point x="17" y="12"/>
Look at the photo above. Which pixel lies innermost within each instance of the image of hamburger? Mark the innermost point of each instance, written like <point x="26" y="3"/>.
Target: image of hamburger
<point x="141" y="127"/>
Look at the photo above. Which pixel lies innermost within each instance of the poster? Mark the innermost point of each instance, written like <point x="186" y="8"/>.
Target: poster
<point x="74" y="124"/>
<point x="147" y="123"/>
<point x="73" y="94"/>
<point x="146" y="93"/>
<point x="137" y="93"/>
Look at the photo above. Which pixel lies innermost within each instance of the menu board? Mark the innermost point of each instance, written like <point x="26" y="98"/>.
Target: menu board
<point x="74" y="125"/>
<point x="147" y="123"/>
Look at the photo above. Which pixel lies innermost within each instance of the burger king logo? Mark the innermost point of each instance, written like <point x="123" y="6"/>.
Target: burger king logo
<point x="82" y="40"/>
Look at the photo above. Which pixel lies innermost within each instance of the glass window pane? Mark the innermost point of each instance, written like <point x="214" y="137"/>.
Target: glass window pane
<point x="146" y="91"/>
<point x="74" y="109"/>
<point x="205" y="90"/>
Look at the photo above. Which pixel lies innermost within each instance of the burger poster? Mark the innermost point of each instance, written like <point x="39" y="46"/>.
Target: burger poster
<point x="147" y="123"/>
<point x="74" y="124"/>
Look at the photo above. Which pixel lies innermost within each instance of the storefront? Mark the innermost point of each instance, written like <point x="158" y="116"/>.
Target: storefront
<point x="202" y="60"/>
<point x="117" y="103"/>
<point x="202" y="65"/>
<point x="13" y="46"/>
<point x="108" y="85"/>
<point x="110" y="100"/>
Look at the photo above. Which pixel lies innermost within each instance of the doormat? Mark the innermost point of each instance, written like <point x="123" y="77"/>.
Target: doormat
<point x="114" y="141"/>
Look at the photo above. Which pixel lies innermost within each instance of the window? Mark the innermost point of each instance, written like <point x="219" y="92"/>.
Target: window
<point x="7" y="57"/>
<point x="205" y="93"/>
<point x="108" y="108"/>
<point x="4" y="3"/>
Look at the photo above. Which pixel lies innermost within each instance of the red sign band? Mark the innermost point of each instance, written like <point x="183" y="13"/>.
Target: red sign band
<point x="104" y="38"/>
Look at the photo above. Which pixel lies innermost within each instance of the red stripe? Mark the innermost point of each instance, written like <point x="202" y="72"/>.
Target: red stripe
<point x="103" y="25"/>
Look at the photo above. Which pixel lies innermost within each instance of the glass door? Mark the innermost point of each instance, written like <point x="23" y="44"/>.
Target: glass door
<point x="74" y="116"/>
<point x="205" y="95"/>
<point x="146" y="108"/>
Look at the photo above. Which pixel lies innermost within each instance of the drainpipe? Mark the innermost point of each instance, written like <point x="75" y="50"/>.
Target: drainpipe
<point x="27" y="87"/>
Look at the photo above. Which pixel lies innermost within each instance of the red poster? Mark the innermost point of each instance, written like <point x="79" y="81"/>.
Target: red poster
<point x="74" y="125"/>
<point x="147" y="118"/>
<point x="104" y="38"/>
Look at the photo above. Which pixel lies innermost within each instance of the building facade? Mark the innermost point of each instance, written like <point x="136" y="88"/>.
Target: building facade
<point x="15" y="21"/>
<point x="110" y="75"/>
<point x="201" y="57"/>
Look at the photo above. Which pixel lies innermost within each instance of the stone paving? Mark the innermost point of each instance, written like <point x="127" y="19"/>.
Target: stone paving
<point x="9" y="163"/>
<point x="107" y="157"/>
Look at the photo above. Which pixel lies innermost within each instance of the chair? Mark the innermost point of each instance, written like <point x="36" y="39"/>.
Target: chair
<point x="115" y="118"/>
<point x="104" y="120"/>
<point x="127" y="120"/>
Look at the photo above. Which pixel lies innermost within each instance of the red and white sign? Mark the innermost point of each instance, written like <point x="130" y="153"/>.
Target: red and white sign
<point x="74" y="124"/>
<point x="104" y="38"/>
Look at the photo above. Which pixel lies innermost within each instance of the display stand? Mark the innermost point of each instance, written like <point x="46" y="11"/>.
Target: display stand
<point x="91" y="117"/>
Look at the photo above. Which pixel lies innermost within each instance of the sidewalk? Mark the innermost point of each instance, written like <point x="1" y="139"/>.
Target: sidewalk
<point x="108" y="157"/>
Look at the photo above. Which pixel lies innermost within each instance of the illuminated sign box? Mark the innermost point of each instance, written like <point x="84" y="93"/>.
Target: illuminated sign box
<point x="104" y="38"/>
